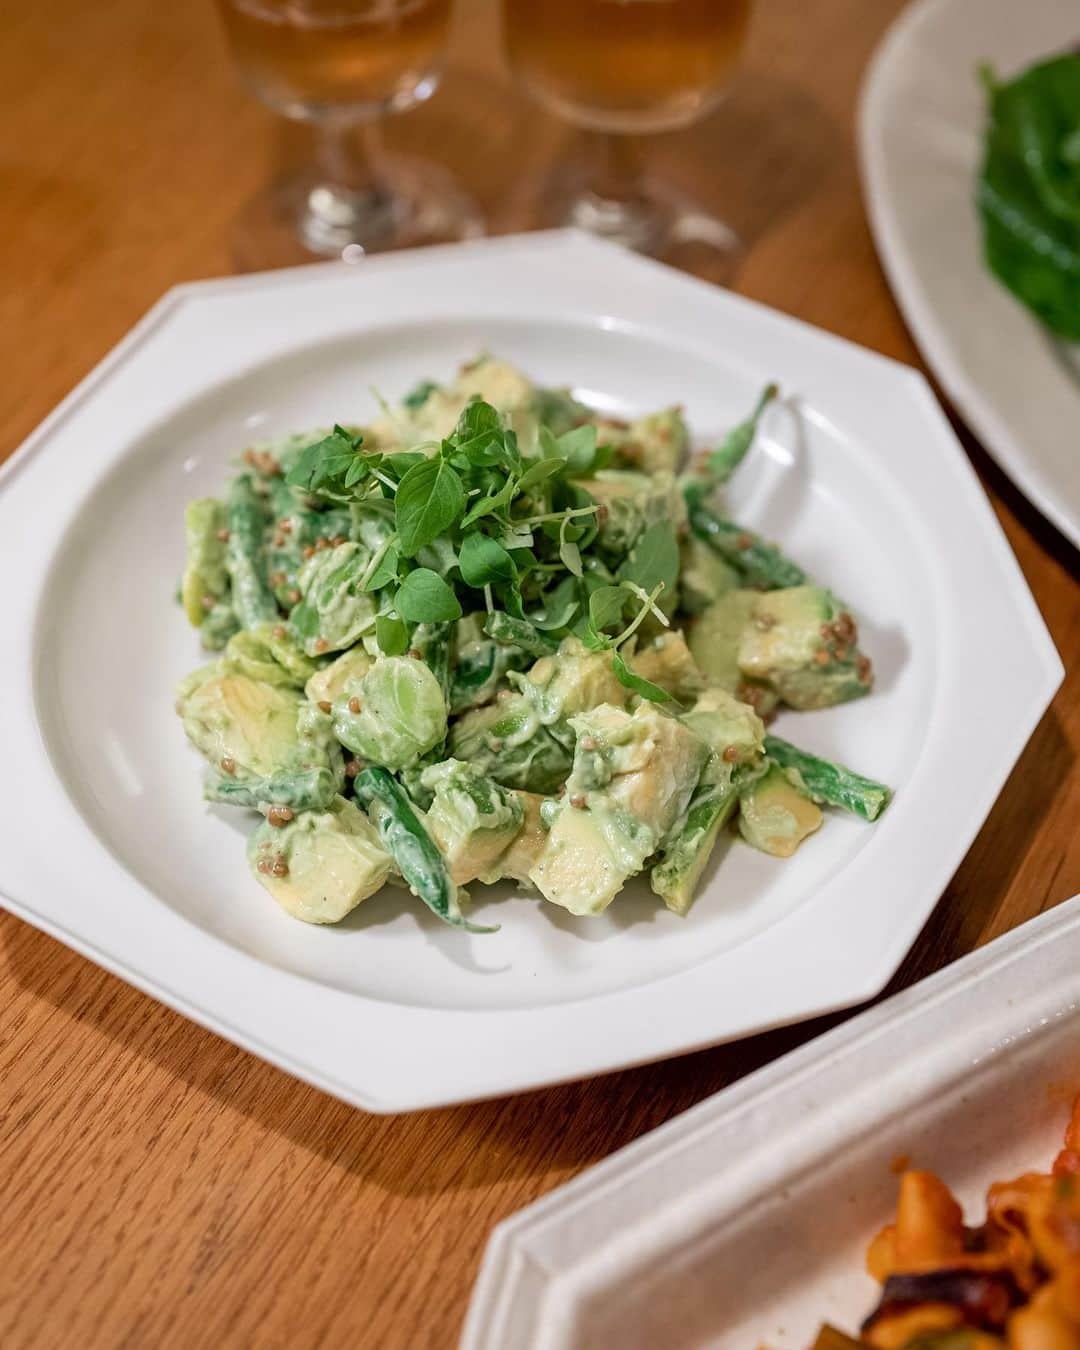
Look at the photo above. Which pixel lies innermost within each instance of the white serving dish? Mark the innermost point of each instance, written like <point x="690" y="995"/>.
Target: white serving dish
<point x="745" y="1221"/>
<point x="921" y="128"/>
<point x="108" y="846"/>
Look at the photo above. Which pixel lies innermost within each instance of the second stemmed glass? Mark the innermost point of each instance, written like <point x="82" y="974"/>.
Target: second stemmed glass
<point x="623" y="69"/>
<point x="342" y="66"/>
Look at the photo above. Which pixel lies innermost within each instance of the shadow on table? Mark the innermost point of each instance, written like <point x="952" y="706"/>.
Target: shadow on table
<point x="558" y="1131"/>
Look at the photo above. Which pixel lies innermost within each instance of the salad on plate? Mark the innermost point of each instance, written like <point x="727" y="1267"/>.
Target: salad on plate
<point x="498" y="634"/>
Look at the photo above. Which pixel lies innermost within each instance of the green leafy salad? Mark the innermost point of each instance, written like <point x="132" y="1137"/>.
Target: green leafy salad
<point x="498" y="634"/>
<point x="1029" y="189"/>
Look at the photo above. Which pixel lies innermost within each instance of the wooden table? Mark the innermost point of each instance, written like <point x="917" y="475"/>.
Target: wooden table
<point x="160" y="1188"/>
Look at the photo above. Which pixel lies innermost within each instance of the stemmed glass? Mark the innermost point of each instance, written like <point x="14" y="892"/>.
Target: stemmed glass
<point x="624" y="69"/>
<point x="342" y="66"/>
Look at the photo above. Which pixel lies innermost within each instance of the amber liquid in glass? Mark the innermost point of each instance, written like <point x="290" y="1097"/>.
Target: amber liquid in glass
<point x="626" y="65"/>
<point x="317" y="59"/>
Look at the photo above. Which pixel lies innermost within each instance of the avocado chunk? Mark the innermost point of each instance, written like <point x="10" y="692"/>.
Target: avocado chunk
<point x="526" y="846"/>
<point x="715" y="635"/>
<point x="506" y="740"/>
<point x="803" y="643"/>
<point x="703" y="575"/>
<point x="632" y="778"/>
<point x="774" y="816"/>
<point x="320" y="864"/>
<point x="267" y="653"/>
<point x="328" y="683"/>
<point x="668" y="662"/>
<point x="393" y="714"/>
<point x="735" y="737"/>
<point x="334" y="612"/>
<point x="264" y="744"/>
<point x="472" y="818"/>
<point x="571" y="681"/>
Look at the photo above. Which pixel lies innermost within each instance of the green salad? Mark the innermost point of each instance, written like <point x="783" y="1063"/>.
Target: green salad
<point x="1029" y="189"/>
<point x="500" y="635"/>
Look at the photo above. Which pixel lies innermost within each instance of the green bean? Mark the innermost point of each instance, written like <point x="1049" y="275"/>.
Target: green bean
<point x="413" y="850"/>
<point x="304" y="790"/>
<point x="733" y="449"/>
<point x="432" y="641"/>
<point x="760" y="564"/>
<point x="831" y="783"/>
<point x="478" y="672"/>
<point x="247" y="517"/>
<point x="676" y="876"/>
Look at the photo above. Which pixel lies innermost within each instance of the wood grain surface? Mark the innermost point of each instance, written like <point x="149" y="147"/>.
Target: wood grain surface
<point x="159" y="1187"/>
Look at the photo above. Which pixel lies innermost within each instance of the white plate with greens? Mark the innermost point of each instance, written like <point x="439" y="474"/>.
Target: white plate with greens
<point x="110" y="846"/>
<point x="923" y="124"/>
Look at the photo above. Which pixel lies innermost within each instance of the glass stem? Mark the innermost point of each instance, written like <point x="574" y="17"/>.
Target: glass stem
<point x="348" y="155"/>
<point x="615" y="204"/>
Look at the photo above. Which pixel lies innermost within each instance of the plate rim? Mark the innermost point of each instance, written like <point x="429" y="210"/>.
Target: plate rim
<point x="397" y="1094"/>
<point x="992" y="428"/>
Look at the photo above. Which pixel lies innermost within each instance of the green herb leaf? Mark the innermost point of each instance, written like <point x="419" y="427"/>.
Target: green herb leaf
<point x="539" y="471"/>
<point x="386" y="570"/>
<point x="645" y="688"/>
<point x="391" y="635"/>
<point x="483" y="562"/>
<point x="480" y="437"/>
<point x="424" y="597"/>
<point x="607" y="604"/>
<point x="325" y="464"/>
<point x="491" y="505"/>
<point x="419" y="394"/>
<point x="578" y="448"/>
<point x="429" y="500"/>
<point x="654" y="558"/>
<point x="569" y="552"/>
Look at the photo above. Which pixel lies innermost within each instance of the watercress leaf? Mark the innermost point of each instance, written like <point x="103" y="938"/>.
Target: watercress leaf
<point x="424" y="597"/>
<point x="548" y="445"/>
<point x="570" y="555"/>
<point x="419" y="394"/>
<point x="386" y="570"/>
<point x="555" y="614"/>
<point x="607" y="604"/>
<point x="479" y="434"/>
<point x="391" y="635"/>
<point x="324" y="464"/>
<point x="512" y="602"/>
<point x="401" y="461"/>
<point x="645" y="688"/>
<point x="654" y="558"/>
<point x="429" y="499"/>
<point x="539" y="471"/>
<point x="484" y="562"/>
<point x="491" y="505"/>
<point x="578" y="448"/>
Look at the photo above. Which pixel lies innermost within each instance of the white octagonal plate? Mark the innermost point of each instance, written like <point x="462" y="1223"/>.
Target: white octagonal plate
<point x="108" y="846"/>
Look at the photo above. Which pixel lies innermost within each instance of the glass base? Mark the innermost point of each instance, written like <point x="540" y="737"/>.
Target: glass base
<point x="301" y="218"/>
<point x="658" y="219"/>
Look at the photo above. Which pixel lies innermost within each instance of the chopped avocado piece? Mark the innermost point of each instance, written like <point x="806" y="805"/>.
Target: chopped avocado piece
<point x="506" y="740"/>
<point x="393" y="714"/>
<point x="321" y="864"/>
<point x="218" y="627"/>
<point x="472" y="818"/>
<point x="633" y="501"/>
<point x="479" y="670"/>
<point x="526" y="846"/>
<point x="657" y="442"/>
<point x="334" y="612"/>
<point x="329" y="683"/>
<point x="632" y="778"/>
<point x="803" y="643"/>
<point x="206" y="580"/>
<point x="774" y="815"/>
<point x="667" y="661"/>
<point x="263" y="743"/>
<point x="735" y="737"/>
<point x="267" y="653"/>
<point x="714" y="637"/>
<point x="571" y="681"/>
<point x="704" y="576"/>
<point x="732" y="730"/>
